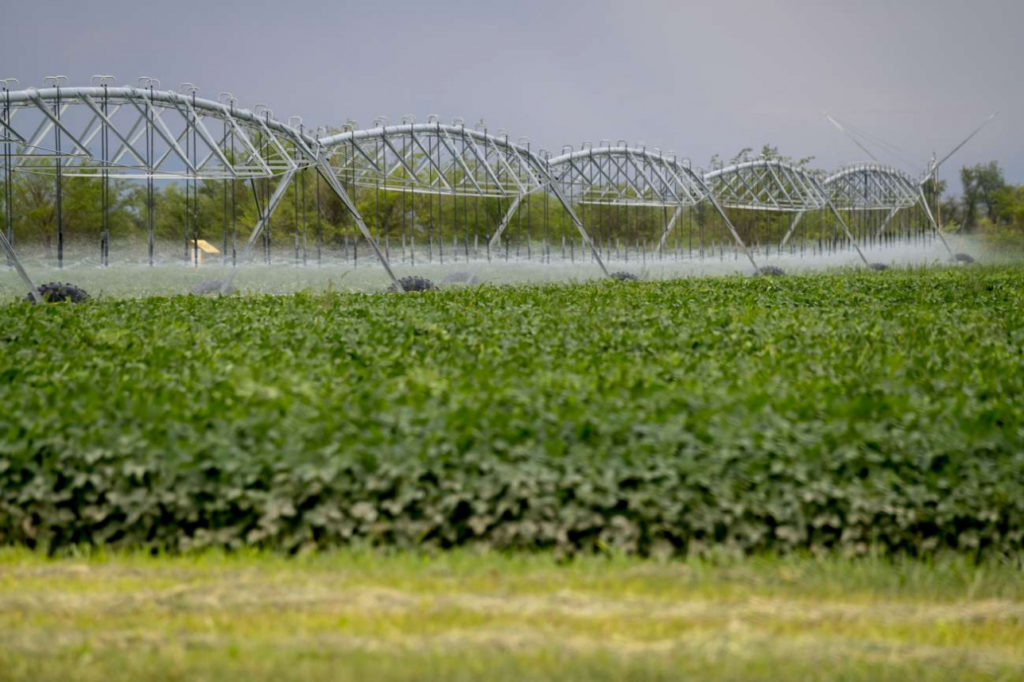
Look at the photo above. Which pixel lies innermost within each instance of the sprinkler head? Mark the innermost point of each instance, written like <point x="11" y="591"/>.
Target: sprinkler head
<point x="213" y="287"/>
<point x="461" y="278"/>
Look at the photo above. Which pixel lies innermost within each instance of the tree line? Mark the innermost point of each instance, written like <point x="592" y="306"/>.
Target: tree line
<point x="988" y="207"/>
<point x="224" y="212"/>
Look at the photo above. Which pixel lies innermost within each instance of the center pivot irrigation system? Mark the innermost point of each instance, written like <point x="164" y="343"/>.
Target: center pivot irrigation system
<point x="148" y="134"/>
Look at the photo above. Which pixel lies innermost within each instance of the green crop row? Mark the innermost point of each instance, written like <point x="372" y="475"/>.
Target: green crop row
<point x="837" y="411"/>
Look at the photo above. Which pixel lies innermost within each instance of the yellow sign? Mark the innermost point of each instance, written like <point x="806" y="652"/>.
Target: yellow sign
<point x="205" y="246"/>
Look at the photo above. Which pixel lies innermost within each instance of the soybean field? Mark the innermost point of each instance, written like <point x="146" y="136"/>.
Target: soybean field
<point x="843" y="412"/>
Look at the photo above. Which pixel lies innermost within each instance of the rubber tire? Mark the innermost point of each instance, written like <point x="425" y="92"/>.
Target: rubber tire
<point x="412" y="283"/>
<point x="56" y="292"/>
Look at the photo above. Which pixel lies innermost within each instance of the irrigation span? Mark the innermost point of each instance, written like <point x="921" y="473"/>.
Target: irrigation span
<point x="416" y="190"/>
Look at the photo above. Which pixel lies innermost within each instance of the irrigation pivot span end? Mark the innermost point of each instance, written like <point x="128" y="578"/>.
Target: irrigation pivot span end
<point x="772" y="185"/>
<point x="450" y="160"/>
<point x="147" y="133"/>
<point x="626" y="176"/>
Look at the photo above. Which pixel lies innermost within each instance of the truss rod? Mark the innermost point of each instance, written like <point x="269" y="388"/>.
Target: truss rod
<point x="12" y="257"/>
<point x="668" y="227"/>
<point x="506" y="219"/>
<point x="332" y="181"/>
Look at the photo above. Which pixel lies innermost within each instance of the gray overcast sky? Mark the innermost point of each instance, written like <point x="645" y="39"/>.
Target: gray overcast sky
<point x="697" y="78"/>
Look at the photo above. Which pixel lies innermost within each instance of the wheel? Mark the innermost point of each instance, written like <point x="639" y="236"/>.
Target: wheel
<point x="879" y="266"/>
<point x="413" y="283"/>
<point x="770" y="271"/>
<point x="54" y="292"/>
<point x="964" y="258"/>
<point x="624" y="276"/>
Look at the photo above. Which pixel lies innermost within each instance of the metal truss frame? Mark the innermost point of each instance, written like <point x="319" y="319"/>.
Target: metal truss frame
<point x="868" y="187"/>
<point x="149" y="133"/>
<point x="766" y="185"/>
<point x="143" y="132"/>
<point x="452" y="160"/>
<point x="434" y="158"/>
<point x="616" y="176"/>
<point x="874" y="187"/>
<point x="772" y="185"/>
<point x="634" y="176"/>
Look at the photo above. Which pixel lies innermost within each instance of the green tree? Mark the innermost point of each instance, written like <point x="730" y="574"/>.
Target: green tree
<point x="1009" y="206"/>
<point x="981" y="184"/>
<point x="771" y="153"/>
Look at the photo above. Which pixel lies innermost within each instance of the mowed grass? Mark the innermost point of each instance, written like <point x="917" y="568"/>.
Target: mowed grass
<point x="364" y="615"/>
